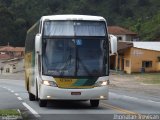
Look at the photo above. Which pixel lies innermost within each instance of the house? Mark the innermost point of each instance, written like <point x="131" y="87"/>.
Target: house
<point x="122" y="34"/>
<point x="11" y="59"/>
<point x="139" y="57"/>
<point x="7" y="52"/>
<point x="12" y="65"/>
<point x="115" y="59"/>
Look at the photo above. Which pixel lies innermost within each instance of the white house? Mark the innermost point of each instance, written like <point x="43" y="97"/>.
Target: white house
<point x="12" y="65"/>
<point x="122" y="34"/>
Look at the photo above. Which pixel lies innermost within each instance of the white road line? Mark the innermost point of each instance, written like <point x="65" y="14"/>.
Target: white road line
<point x="19" y="98"/>
<point x="12" y="91"/>
<point x="153" y="101"/>
<point x="31" y="109"/>
<point x="16" y="94"/>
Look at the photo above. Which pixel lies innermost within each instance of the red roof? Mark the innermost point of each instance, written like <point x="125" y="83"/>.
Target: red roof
<point x="4" y="56"/>
<point x="11" y="49"/>
<point x="19" y="49"/>
<point x="116" y="30"/>
<point x="6" y="48"/>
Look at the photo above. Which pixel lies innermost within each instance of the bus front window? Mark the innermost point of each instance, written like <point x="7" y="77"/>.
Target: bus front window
<point x="90" y="57"/>
<point x="58" y="57"/>
<point x="74" y="48"/>
<point x="73" y="57"/>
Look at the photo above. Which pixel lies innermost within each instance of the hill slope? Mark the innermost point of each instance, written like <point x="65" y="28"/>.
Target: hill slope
<point x="142" y="16"/>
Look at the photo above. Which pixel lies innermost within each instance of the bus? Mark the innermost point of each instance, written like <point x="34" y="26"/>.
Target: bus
<point x="67" y="58"/>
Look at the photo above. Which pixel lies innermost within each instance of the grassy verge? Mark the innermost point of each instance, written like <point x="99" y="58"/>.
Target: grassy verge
<point x="10" y="115"/>
<point x="149" y="78"/>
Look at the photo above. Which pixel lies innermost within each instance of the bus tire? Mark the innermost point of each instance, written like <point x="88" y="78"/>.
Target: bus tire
<point x="42" y="103"/>
<point x="94" y="103"/>
<point x="36" y="97"/>
<point x="31" y="97"/>
<point x="27" y="85"/>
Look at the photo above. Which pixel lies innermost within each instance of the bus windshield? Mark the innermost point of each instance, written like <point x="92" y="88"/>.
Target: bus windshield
<point x="73" y="57"/>
<point x="74" y="28"/>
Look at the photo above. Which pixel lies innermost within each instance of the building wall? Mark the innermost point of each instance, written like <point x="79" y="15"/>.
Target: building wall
<point x="13" y="67"/>
<point x="127" y="57"/>
<point x="136" y="56"/>
<point x="158" y="66"/>
<point x="124" y="37"/>
<point x="128" y="38"/>
<point x="121" y="37"/>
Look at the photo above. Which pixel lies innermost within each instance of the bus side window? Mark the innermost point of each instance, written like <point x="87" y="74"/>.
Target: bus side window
<point x="40" y="26"/>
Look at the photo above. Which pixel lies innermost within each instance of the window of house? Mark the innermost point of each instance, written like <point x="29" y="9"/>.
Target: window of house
<point x="127" y="63"/>
<point x="7" y="70"/>
<point x="119" y="38"/>
<point x="146" y="64"/>
<point x="158" y="57"/>
<point x="14" y="67"/>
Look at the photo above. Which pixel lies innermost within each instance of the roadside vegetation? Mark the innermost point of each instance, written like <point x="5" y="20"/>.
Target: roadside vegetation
<point x="17" y="16"/>
<point x="146" y="78"/>
<point x="4" y="113"/>
<point x="150" y="78"/>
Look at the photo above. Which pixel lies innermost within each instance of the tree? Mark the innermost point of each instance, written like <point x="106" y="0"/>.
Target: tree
<point x="143" y="2"/>
<point x="17" y="16"/>
<point x="6" y="23"/>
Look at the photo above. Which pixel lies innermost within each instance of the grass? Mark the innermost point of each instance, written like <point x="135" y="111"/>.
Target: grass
<point x="9" y="113"/>
<point x="149" y="78"/>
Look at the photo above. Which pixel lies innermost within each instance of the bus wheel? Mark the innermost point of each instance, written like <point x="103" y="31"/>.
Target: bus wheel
<point x="42" y="103"/>
<point x="36" y="97"/>
<point x="94" y="103"/>
<point x="31" y="97"/>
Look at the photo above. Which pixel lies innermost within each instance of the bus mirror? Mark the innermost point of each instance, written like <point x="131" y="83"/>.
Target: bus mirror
<point x="113" y="44"/>
<point x="38" y="44"/>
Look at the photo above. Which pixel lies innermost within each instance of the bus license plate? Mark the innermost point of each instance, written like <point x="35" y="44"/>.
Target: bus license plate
<point x="75" y="93"/>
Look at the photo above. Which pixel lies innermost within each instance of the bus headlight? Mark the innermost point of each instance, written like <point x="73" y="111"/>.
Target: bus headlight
<point x="101" y="83"/>
<point x="49" y="83"/>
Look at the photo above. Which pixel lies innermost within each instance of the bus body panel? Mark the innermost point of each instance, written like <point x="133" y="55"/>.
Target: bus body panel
<point x="30" y="72"/>
<point x="73" y="17"/>
<point x="55" y="93"/>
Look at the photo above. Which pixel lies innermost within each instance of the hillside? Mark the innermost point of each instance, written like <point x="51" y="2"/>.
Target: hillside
<point x="142" y="16"/>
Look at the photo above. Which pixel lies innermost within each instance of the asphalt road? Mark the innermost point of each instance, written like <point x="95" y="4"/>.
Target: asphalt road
<point x="120" y="104"/>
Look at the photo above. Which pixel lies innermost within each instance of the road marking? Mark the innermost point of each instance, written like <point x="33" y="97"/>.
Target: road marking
<point x="24" y="104"/>
<point x="19" y="98"/>
<point x="153" y="101"/>
<point x="124" y="111"/>
<point x="31" y="109"/>
<point x="12" y="91"/>
<point x="16" y="94"/>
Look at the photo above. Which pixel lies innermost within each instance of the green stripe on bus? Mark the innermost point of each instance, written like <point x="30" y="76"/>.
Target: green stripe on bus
<point x="80" y="82"/>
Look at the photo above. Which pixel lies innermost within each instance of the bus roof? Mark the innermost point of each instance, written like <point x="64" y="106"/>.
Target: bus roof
<point x="73" y="17"/>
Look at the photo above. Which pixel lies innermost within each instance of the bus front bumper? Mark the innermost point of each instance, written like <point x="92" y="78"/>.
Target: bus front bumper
<point x="55" y="93"/>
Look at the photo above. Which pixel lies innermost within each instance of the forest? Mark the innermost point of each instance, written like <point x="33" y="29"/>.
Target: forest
<point x="17" y="16"/>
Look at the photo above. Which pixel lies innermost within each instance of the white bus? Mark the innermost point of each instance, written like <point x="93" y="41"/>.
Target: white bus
<point x="67" y="58"/>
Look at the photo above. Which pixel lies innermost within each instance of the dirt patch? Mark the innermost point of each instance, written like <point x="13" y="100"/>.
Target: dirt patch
<point x="136" y="82"/>
<point x="15" y="76"/>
